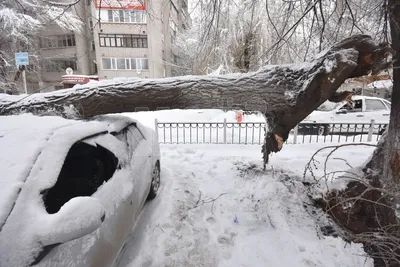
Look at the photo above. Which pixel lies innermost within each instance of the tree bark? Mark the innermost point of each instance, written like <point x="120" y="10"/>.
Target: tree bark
<point x="391" y="170"/>
<point x="285" y="94"/>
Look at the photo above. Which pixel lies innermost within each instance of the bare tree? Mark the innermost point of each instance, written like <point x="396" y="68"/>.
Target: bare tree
<point x="20" y="21"/>
<point x="240" y="36"/>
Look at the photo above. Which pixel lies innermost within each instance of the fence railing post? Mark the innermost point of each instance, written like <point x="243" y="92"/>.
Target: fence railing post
<point x="371" y="130"/>
<point x="225" y="131"/>
<point x="295" y="130"/>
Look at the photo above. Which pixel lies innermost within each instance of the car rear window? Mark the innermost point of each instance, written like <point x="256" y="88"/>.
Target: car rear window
<point x="374" y="104"/>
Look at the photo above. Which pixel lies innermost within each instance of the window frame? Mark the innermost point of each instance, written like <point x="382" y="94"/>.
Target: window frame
<point x="129" y="63"/>
<point x="57" y="41"/>
<point x="126" y="16"/>
<point x="123" y="40"/>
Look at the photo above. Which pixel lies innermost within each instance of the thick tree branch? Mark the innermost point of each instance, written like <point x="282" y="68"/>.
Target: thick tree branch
<point x="285" y="94"/>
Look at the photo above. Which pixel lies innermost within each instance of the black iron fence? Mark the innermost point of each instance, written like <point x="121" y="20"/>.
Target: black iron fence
<point x="252" y="133"/>
<point x="211" y="132"/>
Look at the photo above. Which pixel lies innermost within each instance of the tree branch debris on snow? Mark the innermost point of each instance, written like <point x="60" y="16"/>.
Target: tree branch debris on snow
<point x="360" y="202"/>
<point x="201" y="201"/>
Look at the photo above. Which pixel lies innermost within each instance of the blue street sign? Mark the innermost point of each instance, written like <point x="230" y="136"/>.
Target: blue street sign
<point x="21" y="58"/>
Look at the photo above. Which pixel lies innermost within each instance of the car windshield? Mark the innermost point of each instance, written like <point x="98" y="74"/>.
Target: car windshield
<point x="327" y="106"/>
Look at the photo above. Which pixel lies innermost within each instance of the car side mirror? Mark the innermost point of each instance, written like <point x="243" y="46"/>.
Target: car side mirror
<point x="341" y="111"/>
<point x="78" y="217"/>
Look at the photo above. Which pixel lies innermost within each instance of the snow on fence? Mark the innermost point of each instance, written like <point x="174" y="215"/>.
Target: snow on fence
<point x="252" y="133"/>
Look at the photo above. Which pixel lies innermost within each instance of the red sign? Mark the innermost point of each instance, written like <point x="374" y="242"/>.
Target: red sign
<point x="70" y="79"/>
<point x="121" y="4"/>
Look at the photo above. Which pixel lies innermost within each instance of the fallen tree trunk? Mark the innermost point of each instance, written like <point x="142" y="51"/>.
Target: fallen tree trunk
<point x="286" y="94"/>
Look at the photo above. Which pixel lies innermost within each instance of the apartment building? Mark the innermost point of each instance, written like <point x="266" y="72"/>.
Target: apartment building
<point x="119" y="38"/>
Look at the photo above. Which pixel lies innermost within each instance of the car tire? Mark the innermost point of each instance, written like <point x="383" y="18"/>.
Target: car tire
<point x="155" y="182"/>
<point x="324" y="130"/>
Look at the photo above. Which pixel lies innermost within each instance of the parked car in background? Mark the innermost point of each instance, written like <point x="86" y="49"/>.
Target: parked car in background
<point x="70" y="190"/>
<point x="362" y="110"/>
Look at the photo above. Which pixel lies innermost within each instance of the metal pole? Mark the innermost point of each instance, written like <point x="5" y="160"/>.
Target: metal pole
<point x="24" y="80"/>
<point x="371" y="130"/>
<point x="225" y="131"/>
<point x="295" y="130"/>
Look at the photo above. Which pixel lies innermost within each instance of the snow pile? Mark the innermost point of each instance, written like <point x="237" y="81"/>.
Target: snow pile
<point x="193" y="115"/>
<point x="217" y="207"/>
<point x="114" y="81"/>
<point x="386" y="84"/>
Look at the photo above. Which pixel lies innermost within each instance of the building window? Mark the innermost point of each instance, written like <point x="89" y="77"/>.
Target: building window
<point x="91" y="26"/>
<point x="58" y="41"/>
<point x="107" y="63"/>
<point x="59" y="65"/>
<point x="125" y="63"/>
<point x="140" y="63"/>
<point x="126" y="16"/>
<point x="123" y="40"/>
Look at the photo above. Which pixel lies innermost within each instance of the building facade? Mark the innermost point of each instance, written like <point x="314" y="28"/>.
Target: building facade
<point x="119" y="38"/>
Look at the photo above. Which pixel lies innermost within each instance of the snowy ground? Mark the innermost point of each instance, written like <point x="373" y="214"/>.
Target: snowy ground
<point x="275" y="224"/>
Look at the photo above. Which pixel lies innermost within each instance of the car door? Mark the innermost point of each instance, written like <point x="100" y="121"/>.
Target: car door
<point x="375" y="109"/>
<point x="140" y="165"/>
<point x="117" y="196"/>
<point x="351" y="113"/>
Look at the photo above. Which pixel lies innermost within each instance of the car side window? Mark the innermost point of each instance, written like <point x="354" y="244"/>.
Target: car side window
<point x="85" y="169"/>
<point x="356" y="106"/>
<point x="122" y="135"/>
<point x="374" y="105"/>
<point x="134" y="137"/>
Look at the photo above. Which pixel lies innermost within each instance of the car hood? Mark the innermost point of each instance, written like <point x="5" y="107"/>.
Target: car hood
<point x="22" y="138"/>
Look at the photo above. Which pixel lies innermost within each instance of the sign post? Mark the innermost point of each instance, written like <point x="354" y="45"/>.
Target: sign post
<point x="22" y="59"/>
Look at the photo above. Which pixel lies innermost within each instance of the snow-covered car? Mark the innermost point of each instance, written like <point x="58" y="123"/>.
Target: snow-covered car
<point x="362" y="110"/>
<point x="71" y="190"/>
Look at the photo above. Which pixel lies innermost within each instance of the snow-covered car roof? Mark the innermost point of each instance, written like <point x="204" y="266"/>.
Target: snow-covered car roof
<point x="23" y="138"/>
<point x="358" y="97"/>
